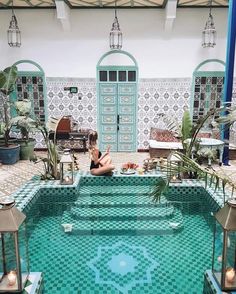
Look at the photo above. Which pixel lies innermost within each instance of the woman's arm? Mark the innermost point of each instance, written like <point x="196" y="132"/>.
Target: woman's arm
<point x="105" y="154"/>
<point x="94" y="155"/>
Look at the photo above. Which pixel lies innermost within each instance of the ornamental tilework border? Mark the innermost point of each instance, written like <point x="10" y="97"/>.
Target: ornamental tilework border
<point x="168" y="96"/>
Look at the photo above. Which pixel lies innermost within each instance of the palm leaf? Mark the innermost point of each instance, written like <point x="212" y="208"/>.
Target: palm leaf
<point x="186" y="128"/>
<point x="159" y="189"/>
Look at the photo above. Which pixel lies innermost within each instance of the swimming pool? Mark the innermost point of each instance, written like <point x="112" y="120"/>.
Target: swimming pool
<point x="122" y="242"/>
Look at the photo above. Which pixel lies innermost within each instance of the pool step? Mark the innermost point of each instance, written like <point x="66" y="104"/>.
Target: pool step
<point x="122" y="213"/>
<point x="123" y="227"/>
<point x="118" y="189"/>
<point x="118" y="199"/>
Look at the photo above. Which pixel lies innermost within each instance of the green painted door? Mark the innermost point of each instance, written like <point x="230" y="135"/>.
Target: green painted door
<point x="117" y="112"/>
<point x="117" y="106"/>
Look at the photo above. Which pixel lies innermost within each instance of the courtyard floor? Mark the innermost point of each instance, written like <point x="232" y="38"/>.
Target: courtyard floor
<point x="12" y="177"/>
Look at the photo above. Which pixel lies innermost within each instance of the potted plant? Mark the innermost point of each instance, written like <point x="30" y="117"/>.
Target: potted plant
<point x="190" y="164"/>
<point x="26" y="124"/>
<point x="9" y="153"/>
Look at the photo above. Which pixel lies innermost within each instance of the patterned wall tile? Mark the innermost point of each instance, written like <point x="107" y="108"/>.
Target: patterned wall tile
<point x="160" y="96"/>
<point x="168" y="96"/>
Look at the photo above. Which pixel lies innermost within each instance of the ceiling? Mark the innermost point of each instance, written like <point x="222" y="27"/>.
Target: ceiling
<point x="7" y="4"/>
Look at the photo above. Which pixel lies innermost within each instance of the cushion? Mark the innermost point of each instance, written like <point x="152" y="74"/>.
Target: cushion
<point x="204" y="135"/>
<point x="164" y="145"/>
<point x="162" y="135"/>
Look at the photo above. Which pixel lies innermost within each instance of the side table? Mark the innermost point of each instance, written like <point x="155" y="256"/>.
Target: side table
<point x="213" y="144"/>
<point x="79" y="137"/>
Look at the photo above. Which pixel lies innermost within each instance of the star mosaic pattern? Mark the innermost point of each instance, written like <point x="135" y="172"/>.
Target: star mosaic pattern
<point x="123" y="266"/>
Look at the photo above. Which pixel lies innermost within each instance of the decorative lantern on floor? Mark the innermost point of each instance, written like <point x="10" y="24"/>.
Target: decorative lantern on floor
<point x="224" y="249"/>
<point x="66" y="168"/>
<point x="174" y="164"/>
<point x="14" y="266"/>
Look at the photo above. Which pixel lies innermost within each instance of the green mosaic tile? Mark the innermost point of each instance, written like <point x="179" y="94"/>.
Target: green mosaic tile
<point x="70" y="261"/>
<point x="131" y="226"/>
<point x="115" y="189"/>
<point x="122" y="213"/>
<point x="177" y="262"/>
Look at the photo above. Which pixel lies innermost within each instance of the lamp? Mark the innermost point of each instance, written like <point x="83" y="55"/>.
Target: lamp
<point x="209" y="32"/>
<point x="66" y="168"/>
<point x="13" y="33"/>
<point x="224" y="249"/>
<point x="115" y="34"/>
<point x="14" y="261"/>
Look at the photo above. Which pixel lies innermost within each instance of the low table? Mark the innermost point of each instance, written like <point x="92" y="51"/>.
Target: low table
<point x="79" y="137"/>
<point x="70" y="137"/>
<point x="211" y="144"/>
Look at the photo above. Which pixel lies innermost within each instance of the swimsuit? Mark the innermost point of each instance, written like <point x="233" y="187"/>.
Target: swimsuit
<point x="93" y="165"/>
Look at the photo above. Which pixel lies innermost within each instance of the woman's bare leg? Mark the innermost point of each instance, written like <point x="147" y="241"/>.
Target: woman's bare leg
<point x="102" y="170"/>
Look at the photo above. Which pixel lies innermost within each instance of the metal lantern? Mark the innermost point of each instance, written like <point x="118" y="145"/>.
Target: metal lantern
<point x="66" y="168"/>
<point x="115" y="34"/>
<point x="13" y="33"/>
<point x="224" y="249"/>
<point x="14" y="263"/>
<point x="209" y="32"/>
<point x="174" y="164"/>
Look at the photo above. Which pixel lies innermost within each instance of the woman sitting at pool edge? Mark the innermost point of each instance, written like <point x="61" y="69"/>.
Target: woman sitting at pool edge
<point x="100" y="164"/>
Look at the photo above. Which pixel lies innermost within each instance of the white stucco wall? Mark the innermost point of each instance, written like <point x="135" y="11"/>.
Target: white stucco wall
<point x="75" y="53"/>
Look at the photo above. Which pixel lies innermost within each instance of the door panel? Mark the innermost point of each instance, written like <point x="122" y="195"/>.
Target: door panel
<point x="117" y="114"/>
<point x="108" y="99"/>
<point x="126" y="99"/>
<point x="109" y="119"/>
<point x="127" y="117"/>
<point x="108" y="89"/>
<point x="109" y="138"/>
<point x="126" y="138"/>
<point x="108" y="116"/>
<point x="126" y="109"/>
<point x="126" y="129"/>
<point x="127" y="89"/>
<point x="126" y="147"/>
<point x="108" y="109"/>
<point x="109" y="128"/>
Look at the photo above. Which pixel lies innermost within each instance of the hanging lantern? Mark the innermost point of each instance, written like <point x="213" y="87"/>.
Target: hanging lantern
<point x="13" y="33"/>
<point x="14" y="261"/>
<point x="209" y="32"/>
<point x="66" y="168"/>
<point x="115" y="34"/>
<point x="224" y="249"/>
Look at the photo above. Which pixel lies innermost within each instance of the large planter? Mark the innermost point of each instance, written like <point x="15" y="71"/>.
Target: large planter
<point x="10" y="154"/>
<point x="26" y="148"/>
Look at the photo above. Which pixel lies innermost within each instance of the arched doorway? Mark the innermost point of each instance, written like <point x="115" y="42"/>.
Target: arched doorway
<point x="30" y="84"/>
<point x="117" y="101"/>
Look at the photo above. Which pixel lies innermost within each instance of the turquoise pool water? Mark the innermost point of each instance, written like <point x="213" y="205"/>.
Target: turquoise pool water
<point x="121" y="242"/>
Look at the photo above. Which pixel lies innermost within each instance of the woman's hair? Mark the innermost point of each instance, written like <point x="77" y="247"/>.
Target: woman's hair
<point x="92" y="138"/>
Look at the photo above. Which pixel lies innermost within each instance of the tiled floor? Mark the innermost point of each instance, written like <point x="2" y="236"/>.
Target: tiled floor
<point x="14" y="176"/>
